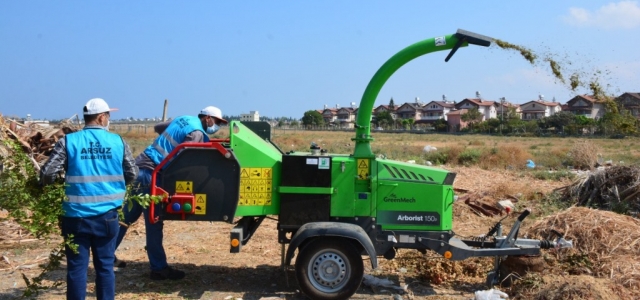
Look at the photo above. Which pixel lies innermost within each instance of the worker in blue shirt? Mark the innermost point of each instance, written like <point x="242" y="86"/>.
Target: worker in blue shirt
<point x="184" y="129"/>
<point x="98" y="165"/>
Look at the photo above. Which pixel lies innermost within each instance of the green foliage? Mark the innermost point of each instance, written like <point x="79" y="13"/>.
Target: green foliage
<point x="441" y="125"/>
<point x="34" y="207"/>
<point x="439" y="157"/>
<point x="469" y="157"/>
<point x="312" y="117"/>
<point x="472" y="116"/>
<point x="383" y="119"/>
<point x="558" y="120"/>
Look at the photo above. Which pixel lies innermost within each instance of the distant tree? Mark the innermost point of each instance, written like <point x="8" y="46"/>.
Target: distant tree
<point x="398" y="123"/>
<point x="559" y="120"/>
<point x="312" y="117"/>
<point x="493" y="123"/>
<point x="405" y="124"/>
<point x="440" y="125"/>
<point x="280" y="123"/>
<point x="472" y="116"/>
<point x="294" y="123"/>
<point x="383" y="116"/>
<point x="392" y="106"/>
<point x="410" y="122"/>
<point x="620" y="123"/>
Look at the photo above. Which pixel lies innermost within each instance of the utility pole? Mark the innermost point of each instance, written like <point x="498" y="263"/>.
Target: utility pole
<point x="164" y="111"/>
<point x="502" y="100"/>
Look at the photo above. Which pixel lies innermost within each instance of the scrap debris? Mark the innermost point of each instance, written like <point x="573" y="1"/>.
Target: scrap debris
<point x="616" y="189"/>
<point x="482" y="205"/>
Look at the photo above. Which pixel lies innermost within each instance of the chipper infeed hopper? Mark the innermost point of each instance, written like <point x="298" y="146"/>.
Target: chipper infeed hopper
<point x="331" y="208"/>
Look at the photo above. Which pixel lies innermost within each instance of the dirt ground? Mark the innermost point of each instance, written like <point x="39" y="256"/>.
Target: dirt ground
<point x="201" y="249"/>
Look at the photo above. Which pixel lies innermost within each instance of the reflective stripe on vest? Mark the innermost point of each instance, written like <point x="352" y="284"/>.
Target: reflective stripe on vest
<point x="95" y="199"/>
<point x="98" y="178"/>
<point x="172" y="136"/>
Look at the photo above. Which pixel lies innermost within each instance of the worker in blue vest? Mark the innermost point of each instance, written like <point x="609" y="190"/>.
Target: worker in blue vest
<point x="184" y="129"/>
<point x="98" y="165"/>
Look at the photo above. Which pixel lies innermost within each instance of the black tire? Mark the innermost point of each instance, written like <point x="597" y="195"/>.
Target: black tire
<point x="316" y="265"/>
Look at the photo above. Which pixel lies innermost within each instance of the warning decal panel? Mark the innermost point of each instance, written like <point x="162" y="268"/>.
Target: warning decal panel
<point x="363" y="169"/>
<point x="255" y="187"/>
<point x="201" y="204"/>
<point x="184" y="187"/>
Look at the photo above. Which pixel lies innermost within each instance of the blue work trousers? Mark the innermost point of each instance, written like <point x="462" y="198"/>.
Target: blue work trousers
<point x="155" y="250"/>
<point x="97" y="234"/>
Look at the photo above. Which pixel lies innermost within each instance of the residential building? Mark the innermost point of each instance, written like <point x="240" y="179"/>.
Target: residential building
<point x="329" y="115"/>
<point x="538" y="109"/>
<point x="382" y="108"/>
<point x="630" y="102"/>
<point x="436" y="110"/>
<point x="346" y="117"/>
<point x="454" y="119"/>
<point x="505" y="107"/>
<point x="410" y="110"/>
<point x="586" y="105"/>
<point x="252" y="116"/>
<point x="485" y="107"/>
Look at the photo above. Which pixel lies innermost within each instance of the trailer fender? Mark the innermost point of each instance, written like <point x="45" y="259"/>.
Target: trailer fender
<point x="335" y="229"/>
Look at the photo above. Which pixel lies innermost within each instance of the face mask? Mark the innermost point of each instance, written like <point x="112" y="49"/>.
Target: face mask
<point x="213" y="129"/>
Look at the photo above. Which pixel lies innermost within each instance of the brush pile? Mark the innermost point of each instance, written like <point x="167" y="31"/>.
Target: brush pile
<point x="616" y="189"/>
<point x="36" y="141"/>
<point x="606" y="245"/>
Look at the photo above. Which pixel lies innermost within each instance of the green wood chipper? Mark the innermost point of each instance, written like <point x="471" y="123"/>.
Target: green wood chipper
<point x="331" y="208"/>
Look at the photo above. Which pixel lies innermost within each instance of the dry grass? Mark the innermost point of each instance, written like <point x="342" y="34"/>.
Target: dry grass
<point x="584" y="154"/>
<point x="558" y="287"/>
<point x="606" y="244"/>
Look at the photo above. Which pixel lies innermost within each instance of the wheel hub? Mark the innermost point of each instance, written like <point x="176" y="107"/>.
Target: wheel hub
<point x="328" y="271"/>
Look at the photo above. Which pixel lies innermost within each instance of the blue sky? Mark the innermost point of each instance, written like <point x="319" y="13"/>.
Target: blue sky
<point x="282" y="58"/>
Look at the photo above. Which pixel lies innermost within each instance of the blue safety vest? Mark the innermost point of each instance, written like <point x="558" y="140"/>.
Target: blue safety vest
<point x="95" y="178"/>
<point x="173" y="136"/>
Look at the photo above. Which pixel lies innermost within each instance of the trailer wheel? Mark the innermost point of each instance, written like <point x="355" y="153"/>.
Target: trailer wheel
<point x="329" y="269"/>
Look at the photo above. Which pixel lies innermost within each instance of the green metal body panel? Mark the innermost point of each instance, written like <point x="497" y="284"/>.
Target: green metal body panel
<point x="412" y="190"/>
<point x="344" y="200"/>
<point x="260" y="174"/>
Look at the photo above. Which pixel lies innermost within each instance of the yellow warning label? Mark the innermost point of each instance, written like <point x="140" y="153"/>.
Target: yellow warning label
<point x="255" y="186"/>
<point x="184" y="187"/>
<point x="363" y="169"/>
<point x="201" y="204"/>
<point x="363" y="164"/>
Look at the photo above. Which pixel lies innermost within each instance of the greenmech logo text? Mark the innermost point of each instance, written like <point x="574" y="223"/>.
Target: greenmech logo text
<point x="393" y="198"/>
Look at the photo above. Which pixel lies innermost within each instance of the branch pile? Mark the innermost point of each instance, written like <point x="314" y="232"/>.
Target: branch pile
<point x="616" y="189"/>
<point x="606" y="244"/>
<point x="37" y="141"/>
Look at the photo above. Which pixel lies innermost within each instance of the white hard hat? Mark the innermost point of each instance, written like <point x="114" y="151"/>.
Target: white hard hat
<point x="213" y="112"/>
<point x="96" y="106"/>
